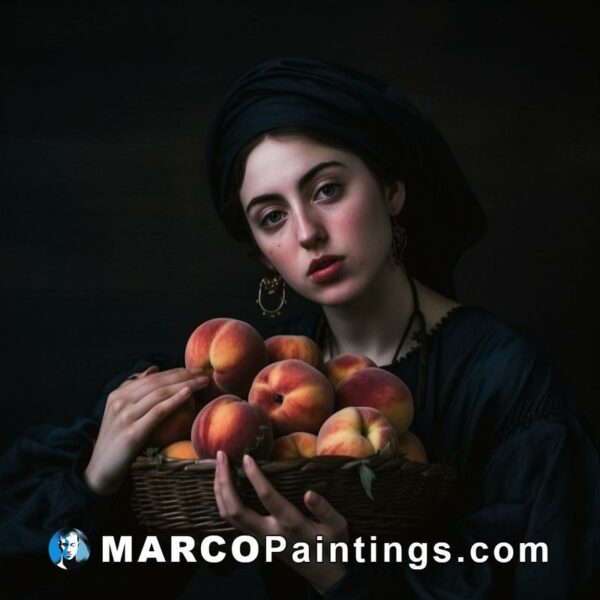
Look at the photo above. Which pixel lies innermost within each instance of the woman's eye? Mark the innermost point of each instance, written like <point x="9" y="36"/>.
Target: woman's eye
<point x="329" y="190"/>
<point x="272" y="218"/>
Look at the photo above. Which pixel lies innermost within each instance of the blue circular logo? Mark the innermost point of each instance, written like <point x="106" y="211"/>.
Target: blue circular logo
<point x="68" y="549"/>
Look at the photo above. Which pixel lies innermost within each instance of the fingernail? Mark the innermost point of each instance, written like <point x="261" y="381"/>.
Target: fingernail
<point x="313" y="497"/>
<point x="219" y="457"/>
<point x="247" y="460"/>
<point x="196" y="370"/>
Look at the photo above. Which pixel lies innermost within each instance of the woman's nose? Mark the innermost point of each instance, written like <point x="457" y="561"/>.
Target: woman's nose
<point x="311" y="230"/>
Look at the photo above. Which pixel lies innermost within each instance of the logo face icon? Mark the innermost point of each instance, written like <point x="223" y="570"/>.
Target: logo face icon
<point x="68" y="549"/>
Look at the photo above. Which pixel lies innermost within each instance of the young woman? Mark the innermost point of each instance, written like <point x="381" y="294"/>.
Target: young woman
<point x="326" y="172"/>
<point x="351" y="197"/>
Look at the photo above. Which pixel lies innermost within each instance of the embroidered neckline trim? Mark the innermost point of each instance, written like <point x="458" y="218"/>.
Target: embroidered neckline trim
<point x="429" y="336"/>
<point x="412" y="351"/>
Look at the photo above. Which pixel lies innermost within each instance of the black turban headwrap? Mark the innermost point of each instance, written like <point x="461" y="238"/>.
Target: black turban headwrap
<point x="441" y="214"/>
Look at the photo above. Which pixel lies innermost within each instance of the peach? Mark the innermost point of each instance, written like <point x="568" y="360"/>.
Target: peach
<point x="233" y="425"/>
<point x="230" y="352"/>
<point x="295" y="445"/>
<point x="412" y="447"/>
<point x="343" y="365"/>
<point x="182" y="450"/>
<point x="378" y="389"/>
<point x="175" y="426"/>
<point x="282" y="347"/>
<point x="295" y="395"/>
<point x="359" y="432"/>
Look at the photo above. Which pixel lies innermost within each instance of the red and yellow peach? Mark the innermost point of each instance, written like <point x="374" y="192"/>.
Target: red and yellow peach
<point x="234" y="426"/>
<point x="343" y="365"/>
<point x="283" y="347"/>
<point x="295" y="395"/>
<point x="230" y="352"/>
<point x="182" y="450"/>
<point x="295" y="445"/>
<point x="378" y="389"/>
<point x="412" y="447"/>
<point x="359" y="432"/>
<point x="175" y="426"/>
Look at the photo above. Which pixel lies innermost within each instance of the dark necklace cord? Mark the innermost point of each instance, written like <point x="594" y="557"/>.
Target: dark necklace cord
<point x="415" y="312"/>
<point x="420" y="336"/>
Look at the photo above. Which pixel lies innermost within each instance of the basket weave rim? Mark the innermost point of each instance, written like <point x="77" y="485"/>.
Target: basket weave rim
<point x="318" y="463"/>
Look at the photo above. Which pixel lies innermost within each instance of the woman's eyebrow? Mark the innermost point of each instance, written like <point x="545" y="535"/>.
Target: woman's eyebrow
<point x="301" y="182"/>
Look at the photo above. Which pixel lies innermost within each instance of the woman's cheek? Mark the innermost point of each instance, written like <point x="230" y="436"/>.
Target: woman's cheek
<point x="279" y="255"/>
<point x="351" y="220"/>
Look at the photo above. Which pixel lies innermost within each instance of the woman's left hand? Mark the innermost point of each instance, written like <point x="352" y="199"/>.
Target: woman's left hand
<point x="284" y="519"/>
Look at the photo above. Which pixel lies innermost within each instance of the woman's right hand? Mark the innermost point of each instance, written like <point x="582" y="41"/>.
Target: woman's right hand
<point x="132" y="411"/>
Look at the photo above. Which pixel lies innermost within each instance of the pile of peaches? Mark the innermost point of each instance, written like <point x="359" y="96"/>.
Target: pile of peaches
<point x="276" y="399"/>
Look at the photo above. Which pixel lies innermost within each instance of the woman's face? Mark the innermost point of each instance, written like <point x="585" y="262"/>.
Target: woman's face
<point x="318" y="217"/>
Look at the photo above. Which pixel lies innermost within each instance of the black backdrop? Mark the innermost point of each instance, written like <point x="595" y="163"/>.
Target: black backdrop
<point x="111" y="250"/>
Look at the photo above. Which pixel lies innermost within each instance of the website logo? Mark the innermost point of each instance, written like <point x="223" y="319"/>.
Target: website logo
<point x="68" y="549"/>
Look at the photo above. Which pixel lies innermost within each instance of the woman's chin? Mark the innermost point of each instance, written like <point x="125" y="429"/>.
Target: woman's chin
<point x="336" y="296"/>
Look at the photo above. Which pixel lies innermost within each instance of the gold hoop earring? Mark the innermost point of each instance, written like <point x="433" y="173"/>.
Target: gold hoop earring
<point x="399" y="241"/>
<point x="271" y="286"/>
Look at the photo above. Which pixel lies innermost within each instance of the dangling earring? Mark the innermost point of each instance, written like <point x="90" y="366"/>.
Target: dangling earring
<point x="271" y="286"/>
<point x="399" y="240"/>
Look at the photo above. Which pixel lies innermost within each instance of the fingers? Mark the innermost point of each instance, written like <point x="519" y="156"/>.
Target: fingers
<point x="147" y="420"/>
<point x="284" y="518"/>
<point x="326" y="514"/>
<point x="229" y="504"/>
<point x="284" y="512"/>
<point x="138" y="408"/>
<point x="151" y="369"/>
<point x="175" y="392"/>
<point x="152" y="388"/>
<point x="173" y="377"/>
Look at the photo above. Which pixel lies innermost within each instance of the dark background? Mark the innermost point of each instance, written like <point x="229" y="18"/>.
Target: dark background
<point x="110" y="248"/>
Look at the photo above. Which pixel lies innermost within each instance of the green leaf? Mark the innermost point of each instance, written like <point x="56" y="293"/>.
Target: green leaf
<point x="385" y="451"/>
<point x="258" y="447"/>
<point x="151" y="452"/>
<point x="366" y="475"/>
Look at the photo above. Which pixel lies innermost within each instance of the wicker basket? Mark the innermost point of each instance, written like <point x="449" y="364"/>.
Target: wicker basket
<point x="170" y="495"/>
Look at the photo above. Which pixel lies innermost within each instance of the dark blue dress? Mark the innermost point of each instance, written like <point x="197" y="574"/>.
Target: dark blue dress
<point x="494" y="407"/>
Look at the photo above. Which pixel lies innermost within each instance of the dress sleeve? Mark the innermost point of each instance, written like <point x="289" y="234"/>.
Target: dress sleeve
<point x="42" y="487"/>
<point x="41" y="484"/>
<point x="539" y="483"/>
<point x="42" y="490"/>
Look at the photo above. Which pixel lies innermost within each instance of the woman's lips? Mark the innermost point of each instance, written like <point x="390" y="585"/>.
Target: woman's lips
<point x="327" y="272"/>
